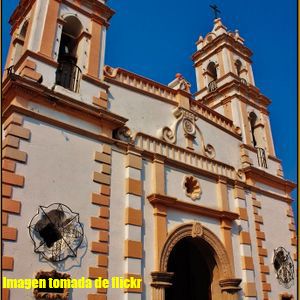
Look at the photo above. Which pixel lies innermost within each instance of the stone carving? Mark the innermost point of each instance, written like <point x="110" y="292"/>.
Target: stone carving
<point x="110" y="72"/>
<point x="168" y="135"/>
<point x="188" y="126"/>
<point x="124" y="134"/>
<point x="209" y="151"/>
<point x="185" y="86"/>
<point x="238" y="130"/>
<point x="240" y="175"/>
<point x="42" y="294"/>
<point x="197" y="230"/>
<point x="188" y="120"/>
<point x="180" y="83"/>
<point x="162" y="279"/>
<point x="230" y="285"/>
<point x="192" y="187"/>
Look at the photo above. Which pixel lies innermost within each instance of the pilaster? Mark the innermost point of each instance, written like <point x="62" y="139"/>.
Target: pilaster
<point x="133" y="221"/>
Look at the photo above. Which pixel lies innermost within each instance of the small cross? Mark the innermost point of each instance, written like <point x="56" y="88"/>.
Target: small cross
<point x="216" y="10"/>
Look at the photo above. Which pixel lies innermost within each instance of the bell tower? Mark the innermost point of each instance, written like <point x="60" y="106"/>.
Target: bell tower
<point x="61" y="45"/>
<point x="225" y="83"/>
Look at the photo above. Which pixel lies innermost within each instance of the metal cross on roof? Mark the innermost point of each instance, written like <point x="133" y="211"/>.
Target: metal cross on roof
<point x="216" y="10"/>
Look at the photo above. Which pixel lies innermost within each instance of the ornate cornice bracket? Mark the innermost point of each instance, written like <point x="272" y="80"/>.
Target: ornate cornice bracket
<point x="230" y="285"/>
<point x="162" y="279"/>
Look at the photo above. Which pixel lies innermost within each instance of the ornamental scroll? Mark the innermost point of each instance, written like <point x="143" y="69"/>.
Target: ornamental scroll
<point x="197" y="230"/>
<point x="188" y="121"/>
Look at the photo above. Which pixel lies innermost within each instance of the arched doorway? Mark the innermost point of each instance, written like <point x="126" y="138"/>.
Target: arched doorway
<point x="192" y="264"/>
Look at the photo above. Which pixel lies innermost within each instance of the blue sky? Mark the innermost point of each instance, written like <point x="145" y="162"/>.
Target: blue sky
<point x="157" y="38"/>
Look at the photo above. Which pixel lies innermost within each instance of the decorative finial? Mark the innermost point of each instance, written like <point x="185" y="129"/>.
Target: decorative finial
<point x="214" y="7"/>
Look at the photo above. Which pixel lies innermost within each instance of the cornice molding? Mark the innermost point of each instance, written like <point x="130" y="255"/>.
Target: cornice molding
<point x="248" y="90"/>
<point x="228" y="41"/>
<point x="257" y="175"/>
<point x="175" y="203"/>
<point x="177" y="155"/>
<point x="21" y="11"/>
<point x="95" y="10"/>
<point x="166" y="94"/>
<point x="141" y="84"/>
<point x="213" y="117"/>
<point x="14" y="82"/>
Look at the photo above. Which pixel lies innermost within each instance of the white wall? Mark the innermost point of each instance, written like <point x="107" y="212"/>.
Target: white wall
<point x="176" y="219"/>
<point x="270" y="189"/>
<point x="149" y="115"/>
<point x="145" y="114"/>
<point x="59" y="169"/>
<point x="175" y="188"/>
<point x="38" y="25"/>
<point x="226" y="146"/>
<point x="277" y="235"/>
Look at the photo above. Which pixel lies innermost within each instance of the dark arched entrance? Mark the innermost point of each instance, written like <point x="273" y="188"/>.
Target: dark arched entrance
<point x="207" y="253"/>
<point x="192" y="263"/>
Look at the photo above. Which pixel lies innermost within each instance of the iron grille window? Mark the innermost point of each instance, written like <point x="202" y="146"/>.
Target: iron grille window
<point x="284" y="268"/>
<point x="56" y="232"/>
<point x="261" y="157"/>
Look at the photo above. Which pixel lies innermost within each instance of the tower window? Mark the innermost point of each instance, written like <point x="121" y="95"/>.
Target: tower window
<point x="253" y="119"/>
<point x="212" y="76"/>
<point x="68" y="73"/>
<point x="238" y="66"/>
<point x="257" y="140"/>
<point x="19" y="43"/>
<point x="212" y="70"/>
<point x="23" y="30"/>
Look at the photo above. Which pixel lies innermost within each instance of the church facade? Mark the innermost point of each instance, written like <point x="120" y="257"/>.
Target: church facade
<point x="110" y="174"/>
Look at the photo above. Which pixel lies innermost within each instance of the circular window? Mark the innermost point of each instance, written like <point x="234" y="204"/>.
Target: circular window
<point x="284" y="266"/>
<point x="56" y="232"/>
